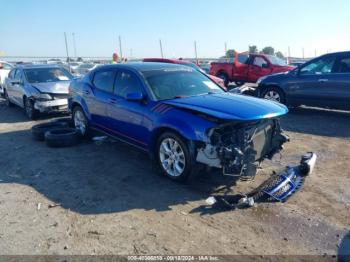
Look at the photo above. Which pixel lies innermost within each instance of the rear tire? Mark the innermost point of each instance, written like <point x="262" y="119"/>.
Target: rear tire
<point x="174" y="157"/>
<point x="224" y="77"/>
<point x="62" y="137"/>
<point x="80" y="121"/>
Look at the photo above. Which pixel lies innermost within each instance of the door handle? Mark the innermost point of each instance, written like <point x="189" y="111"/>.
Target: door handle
<point x="323" y="80"/>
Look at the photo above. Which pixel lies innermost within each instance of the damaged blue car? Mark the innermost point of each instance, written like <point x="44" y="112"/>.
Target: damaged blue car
<point x="179" y="116"/>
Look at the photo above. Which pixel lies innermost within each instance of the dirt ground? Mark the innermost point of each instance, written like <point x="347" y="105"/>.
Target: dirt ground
<point x="112" y="201"/>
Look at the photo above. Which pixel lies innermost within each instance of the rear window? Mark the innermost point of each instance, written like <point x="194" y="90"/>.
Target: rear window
<point x="104" y="80"/>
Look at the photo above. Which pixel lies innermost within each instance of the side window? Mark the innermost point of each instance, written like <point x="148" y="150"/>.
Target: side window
<point x="242" y="58"/>
<point x="127" y="82"/>
<point x="104" y="80"/>
<point x="319" y="67"/>
<point x="259" y="61"/>
<point x="344" y="65"/>
<point x="18" y="75"/>
<point x="12" y="74"/>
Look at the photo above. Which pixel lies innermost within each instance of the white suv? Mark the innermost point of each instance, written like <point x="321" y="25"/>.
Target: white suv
<point x="5" y="68"/>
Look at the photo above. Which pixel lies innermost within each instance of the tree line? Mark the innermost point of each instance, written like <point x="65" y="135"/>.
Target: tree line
<point x="268" y="50"/>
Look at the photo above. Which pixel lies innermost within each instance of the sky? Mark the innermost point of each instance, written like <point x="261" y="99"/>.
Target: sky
<point x="36" y="27"/>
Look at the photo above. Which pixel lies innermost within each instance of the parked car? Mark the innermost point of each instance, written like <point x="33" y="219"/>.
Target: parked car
<point x="217" y="80"/>
<point x="323" y="82"/>
<point x="179" y="116"/>
<point x="5" y="69"/>
<point x="38" y="88"/>
<point x="248" y="68"/>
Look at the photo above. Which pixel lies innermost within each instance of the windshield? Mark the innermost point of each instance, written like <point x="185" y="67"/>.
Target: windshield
<point x="176" y="83"/>
<point x="276" y="61"/>
<point x="44" y="75"/>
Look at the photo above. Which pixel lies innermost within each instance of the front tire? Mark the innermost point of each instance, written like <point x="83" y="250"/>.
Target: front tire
<point x="29" y="109"/>
<point x="174" y="157"/>
<point x="274" y="94"/>
<point x="8" y="102"/>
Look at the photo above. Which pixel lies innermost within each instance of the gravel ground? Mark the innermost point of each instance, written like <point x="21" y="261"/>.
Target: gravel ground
<point x="109" y="199"/>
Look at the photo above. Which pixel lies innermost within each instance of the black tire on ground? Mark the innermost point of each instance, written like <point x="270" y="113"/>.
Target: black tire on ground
<point x="189" y="167"/>
<point x="224" y="77"/>
<point x="66" y="120"/>
<point x="62" y="137"/>
<point x="38" y="131"/>
<point x="273" y="90"/>
<point x="29" y="109"/>
<point x="80" y="122"/>
<point x="8" y="102"/>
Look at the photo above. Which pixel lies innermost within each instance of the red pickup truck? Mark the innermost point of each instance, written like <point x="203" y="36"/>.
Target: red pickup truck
<point x="247" y="67"/>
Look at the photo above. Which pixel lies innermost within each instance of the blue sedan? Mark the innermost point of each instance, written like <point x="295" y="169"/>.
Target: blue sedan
<point x="179" y="116"/>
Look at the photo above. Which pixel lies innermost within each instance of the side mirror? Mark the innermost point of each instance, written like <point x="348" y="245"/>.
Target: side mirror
<point x="134" y="97"/>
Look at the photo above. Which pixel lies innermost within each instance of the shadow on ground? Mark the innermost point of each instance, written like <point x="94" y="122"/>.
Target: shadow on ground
<point x="17" y="114"/>
<point x="95" y="179"/>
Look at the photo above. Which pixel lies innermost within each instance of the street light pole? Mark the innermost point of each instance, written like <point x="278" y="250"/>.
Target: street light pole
<point x="161" y="48"/>
<point x="74" y="45"/>
<point x="195" y="51"/>
<point x="120" y="47"/>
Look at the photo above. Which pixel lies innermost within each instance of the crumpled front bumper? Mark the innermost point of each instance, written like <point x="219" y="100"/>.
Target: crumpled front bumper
<point x="57" y="105"/>
<point x="279" y="187"/>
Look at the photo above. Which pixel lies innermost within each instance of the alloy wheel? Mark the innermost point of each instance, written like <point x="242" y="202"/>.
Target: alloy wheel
<point x="172" y="157"/>
<point x="273" y="95"/>
<point x="80" y="122"/>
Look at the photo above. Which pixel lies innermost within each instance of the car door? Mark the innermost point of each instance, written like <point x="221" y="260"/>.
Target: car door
<point x="17" y="87"/>
<point x="9" y="81"/>
<point x="126" y="116"/>
<point x="241" y="67"/>
<point x="99" y="95"/>
<point x="339" y="88"/>
<point x="258" y="68"/>
<point x="314" y="83"/>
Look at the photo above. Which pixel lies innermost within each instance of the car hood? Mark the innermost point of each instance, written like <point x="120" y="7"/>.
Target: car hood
<point x="53" y="87"/>
<point x="230" y="106"/>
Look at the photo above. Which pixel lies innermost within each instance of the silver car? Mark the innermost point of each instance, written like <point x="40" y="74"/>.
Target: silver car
<point x="38" y="89"/>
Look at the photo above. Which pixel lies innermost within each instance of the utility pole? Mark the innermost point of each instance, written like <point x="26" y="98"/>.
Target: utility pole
<point x="120" y="48"/>
<point x="161" y="48"/>
<point x="74" y="45"/>
<point x="288" y="60"/>
<point x="225" y="48"/>
<point x="303" y="52"/>
<point x="315" y="52"/>
<point x="195" y="51"/>
<point x="65" y="40"/>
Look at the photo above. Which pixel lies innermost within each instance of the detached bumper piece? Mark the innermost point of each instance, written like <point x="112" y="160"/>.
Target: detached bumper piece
<point x="279" y="187"/>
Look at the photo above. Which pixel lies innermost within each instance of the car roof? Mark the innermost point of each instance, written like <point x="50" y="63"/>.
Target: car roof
<point x="144" y="66"/>
<point x="34" y="66"/>
<point x="166" y="60"/>
<point x="338" y="53"/>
